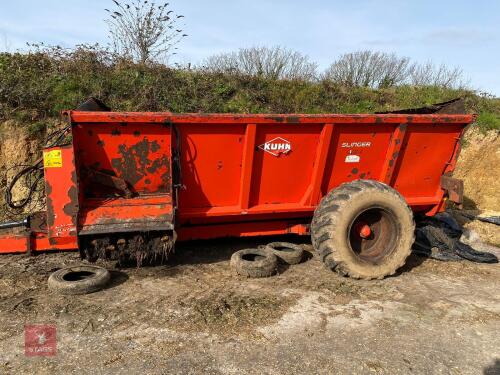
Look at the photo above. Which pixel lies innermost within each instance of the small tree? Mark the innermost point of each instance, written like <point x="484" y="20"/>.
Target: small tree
<point x="429" y="74"/>
<point x="144" y="31"/>
<point x="379" y="69"/>
<point x="268" y="62"/>
<point x="369" y="69"/>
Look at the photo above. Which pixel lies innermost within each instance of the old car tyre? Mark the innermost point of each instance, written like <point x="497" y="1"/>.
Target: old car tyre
<point x="254" y="262"/>
<point x="363" y="229"/>
<point x="79" y="279"/>
<point x="287" y="252"/>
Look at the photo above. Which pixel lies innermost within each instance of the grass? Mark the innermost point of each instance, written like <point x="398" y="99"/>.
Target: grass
<point x="488" y="121"/>
<point x="37" y="86"/>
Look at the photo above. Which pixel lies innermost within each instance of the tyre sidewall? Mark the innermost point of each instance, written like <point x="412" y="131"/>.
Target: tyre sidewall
<point x="97" y="281"/>
<point x="257" y="268"/>
<point x="391" y="261"/>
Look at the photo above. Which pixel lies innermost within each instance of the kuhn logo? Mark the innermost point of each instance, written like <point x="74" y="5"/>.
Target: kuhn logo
<point x="277" y="146"/>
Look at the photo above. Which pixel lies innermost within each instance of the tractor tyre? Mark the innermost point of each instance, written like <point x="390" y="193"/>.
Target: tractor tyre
<point x="363" y="229"/>
<point x="255" y="263"/>
<point x="79" y="280"/>
<point x="286" y="252"/>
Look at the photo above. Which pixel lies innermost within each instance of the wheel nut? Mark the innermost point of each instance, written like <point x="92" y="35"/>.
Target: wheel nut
<point x="365" y="231"/>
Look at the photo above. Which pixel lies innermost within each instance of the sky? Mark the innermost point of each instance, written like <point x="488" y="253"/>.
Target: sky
<point x="461" y="33"/>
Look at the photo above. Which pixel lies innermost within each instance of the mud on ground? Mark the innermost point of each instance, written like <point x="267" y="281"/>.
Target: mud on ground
<point x="195" y="316"/>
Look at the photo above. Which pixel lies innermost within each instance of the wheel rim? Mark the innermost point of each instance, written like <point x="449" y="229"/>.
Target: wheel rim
<point x="372" y="234"/>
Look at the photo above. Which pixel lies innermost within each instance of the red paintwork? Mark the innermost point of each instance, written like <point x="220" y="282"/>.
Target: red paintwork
<point x="11" y="243"/>
<point x="229" y="186"/>
<point x="61" y="188"/>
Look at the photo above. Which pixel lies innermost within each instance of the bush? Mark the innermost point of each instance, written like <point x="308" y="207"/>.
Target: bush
<point x="379" y="69"/>
<point x="264" y="62"/>
<point x="38" y="85"/>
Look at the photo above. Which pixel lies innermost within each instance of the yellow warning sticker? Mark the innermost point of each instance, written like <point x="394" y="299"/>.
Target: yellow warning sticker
<point x="52" y="159"/>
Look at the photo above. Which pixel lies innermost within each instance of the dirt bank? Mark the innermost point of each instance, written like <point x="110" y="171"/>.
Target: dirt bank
<point x="479" y="167"/>
<point x="17" y="148"/>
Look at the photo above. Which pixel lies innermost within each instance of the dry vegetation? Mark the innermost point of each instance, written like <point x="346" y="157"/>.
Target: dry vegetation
<point x="479" y="165"/>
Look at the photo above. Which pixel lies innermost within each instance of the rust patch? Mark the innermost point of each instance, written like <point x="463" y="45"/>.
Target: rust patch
<point x="115" y="132"/>
<point x="137" y="133"/>
<point x="362" y="175"/>
<point x="100" y="143"/>
<point x="394" y="158"/>
<point x="166" y="182"/>
<point x="71" y="208"/>
<point x="454" y="187"/>
<point x="109" y="180"/>
<point x="110" y="224"/>
<point x="355" y="171"/>
<point x="275" y="118"/>
<point x="157" y="164"/>
<point x="155" y="146"/>
<point x="50" y="210"/>
<point x="50" y="204"/>
<point x="293" y="120"/>
<point x="38" y="222"/>
<point x="135" y="163"/>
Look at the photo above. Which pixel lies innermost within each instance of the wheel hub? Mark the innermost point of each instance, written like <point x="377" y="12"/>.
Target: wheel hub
<point x="372" y="234"/>
<point x="364" y="230"/>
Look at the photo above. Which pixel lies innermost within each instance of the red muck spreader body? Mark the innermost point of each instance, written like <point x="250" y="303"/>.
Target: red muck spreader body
<point x="134" y="183"/>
